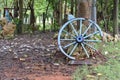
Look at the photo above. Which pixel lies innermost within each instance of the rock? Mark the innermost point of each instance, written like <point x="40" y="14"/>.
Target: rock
<point x="42" y="47"/>
<point x="25" y="55"/>
<point x="56" y="64"/>
<point x="51" y="45"/>
<point x="48" y="50"/>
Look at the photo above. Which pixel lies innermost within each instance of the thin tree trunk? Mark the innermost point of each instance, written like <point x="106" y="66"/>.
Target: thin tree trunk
<point x="65" y="12"/>
<point x="44" y="17"/>
<point x="72" y="6"/>
<point x="115" y="18"/>
<point x="76" y="4"/>
<point x="19" y="31"/>
<point x="65" y="7"/>
<point x="93" y="11"/>
<point x="56" y="14"/>
<point x="16" y="8"/>
<point x="60" y="12"/>
<point x="32" y="15"/>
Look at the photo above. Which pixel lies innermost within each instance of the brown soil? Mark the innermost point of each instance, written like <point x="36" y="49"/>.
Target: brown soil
<point x="33" y="57"/>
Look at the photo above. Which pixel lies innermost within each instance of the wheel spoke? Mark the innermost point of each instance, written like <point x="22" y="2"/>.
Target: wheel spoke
<point x="87" y="29"/>
<point x="89" y="46"/>
<point x="74" y="29"/>
<point x="69" y="33"/>
<point x="73" y="49"/>
<point x="67" y="39"/>
<point x="91" y="34"/>
<point x="80" y="26"/>
<point x="85" y="50"/>
<point x="92" y="40"/>
<point x="69" y="44"/>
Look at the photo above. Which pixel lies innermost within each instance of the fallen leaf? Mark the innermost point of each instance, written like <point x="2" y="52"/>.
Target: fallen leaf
<point x="22" y="59"/>
<point x="99" y="74"/>
<point x="90" y="76"/>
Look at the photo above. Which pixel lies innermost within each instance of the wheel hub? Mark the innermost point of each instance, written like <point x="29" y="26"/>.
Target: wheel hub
<point x="79" y="39"/>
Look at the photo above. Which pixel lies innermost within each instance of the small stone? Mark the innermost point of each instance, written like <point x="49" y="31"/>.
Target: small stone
<point x="106" y="52"/>
<point x="56" y="64"/>
<point x="25" y="56"/>
<point x="10" y="50"/>
<point x="27" y="67"/>
<point x="48" y="50"/>
<point x="15" y="57"/>
<point x="51" y="45"/>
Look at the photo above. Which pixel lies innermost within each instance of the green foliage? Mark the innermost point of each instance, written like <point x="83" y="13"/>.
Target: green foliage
<point x="16" y="21"/>
<point x="81" y="73"/>
<point x="110" y="70"/>
<point x="40" y="6"/>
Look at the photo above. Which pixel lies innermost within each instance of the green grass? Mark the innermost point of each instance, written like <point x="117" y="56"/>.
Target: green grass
<point x="110" y="70"/>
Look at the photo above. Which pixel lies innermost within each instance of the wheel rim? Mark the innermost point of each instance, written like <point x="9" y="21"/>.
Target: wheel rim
<point x="78" y="33"/>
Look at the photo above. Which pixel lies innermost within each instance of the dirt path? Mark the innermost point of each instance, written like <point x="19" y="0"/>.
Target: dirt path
<point x="33" y="57"/>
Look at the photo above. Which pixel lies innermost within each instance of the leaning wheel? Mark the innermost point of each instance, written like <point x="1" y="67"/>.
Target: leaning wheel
<point x="77" y="36"/>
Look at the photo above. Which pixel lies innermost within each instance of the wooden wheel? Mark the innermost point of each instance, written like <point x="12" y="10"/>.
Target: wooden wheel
<point x="78" y="34"/>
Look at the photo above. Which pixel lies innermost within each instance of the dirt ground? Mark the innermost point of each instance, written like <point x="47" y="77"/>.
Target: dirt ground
<point x="33" y="57"/>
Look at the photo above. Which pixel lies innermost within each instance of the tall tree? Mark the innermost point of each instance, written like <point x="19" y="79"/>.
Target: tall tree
<point x="19" y="31"/>
<point x="115" y="18"/>
<point x="72" y="6"/>
<point x="16" y="8"/>
<point x="32" y="15"/>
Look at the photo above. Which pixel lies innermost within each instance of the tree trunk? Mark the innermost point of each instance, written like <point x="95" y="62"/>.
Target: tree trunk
<point x="60" y="12"/>
<point x="44" y="16"/>
<point x="32" y="15"/>
<point x="93" y="11"/>
<point x="76" y="4"/>
<point x="65" y="12"/>
<point x="115" y="18"/>
<point x="84" y="9"/>
<point x="19" y="31"/>
<point x="56" y="14"/>
<point x="72" y="6"/>
<point x="16" y="8"/>
<point x="65" y="7"/>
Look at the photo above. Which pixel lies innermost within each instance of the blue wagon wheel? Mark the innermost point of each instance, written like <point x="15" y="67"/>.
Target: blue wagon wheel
<point x="78" y="34"/>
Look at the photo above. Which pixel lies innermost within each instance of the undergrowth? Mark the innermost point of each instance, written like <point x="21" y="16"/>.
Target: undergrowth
<point x="110" y="70"/>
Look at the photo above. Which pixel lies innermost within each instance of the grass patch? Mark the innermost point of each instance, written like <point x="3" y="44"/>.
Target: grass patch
<point x="107" y="71"/>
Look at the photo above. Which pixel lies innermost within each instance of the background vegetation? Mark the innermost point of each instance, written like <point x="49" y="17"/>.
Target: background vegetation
<point x="43" y="15"/>
<point x="50" y="14"/>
